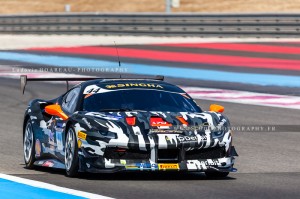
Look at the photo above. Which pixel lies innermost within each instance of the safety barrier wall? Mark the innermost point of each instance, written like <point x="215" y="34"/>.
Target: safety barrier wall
<point x="201" y="25"/>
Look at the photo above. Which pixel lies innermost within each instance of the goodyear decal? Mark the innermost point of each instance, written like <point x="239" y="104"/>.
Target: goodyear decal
<point x="168" y="166"/>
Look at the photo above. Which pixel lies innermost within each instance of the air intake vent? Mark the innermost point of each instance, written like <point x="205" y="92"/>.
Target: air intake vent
<point x="167" y="155"/>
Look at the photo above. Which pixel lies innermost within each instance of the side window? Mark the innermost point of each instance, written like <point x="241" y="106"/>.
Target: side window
<point x="70" y="100"/>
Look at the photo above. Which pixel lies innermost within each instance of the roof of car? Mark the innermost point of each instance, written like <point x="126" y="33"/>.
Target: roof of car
<point x="118" y="80"/>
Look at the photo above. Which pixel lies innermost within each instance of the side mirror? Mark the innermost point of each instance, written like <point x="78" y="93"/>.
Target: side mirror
<point x="216" y="108"/>
<point x="55" y="109"/>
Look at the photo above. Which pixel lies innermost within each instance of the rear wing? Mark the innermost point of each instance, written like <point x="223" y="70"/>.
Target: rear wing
<point x="24" y="79"/>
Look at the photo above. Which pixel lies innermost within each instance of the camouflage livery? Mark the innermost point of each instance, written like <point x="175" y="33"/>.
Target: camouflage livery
<point x="107" y="142"/>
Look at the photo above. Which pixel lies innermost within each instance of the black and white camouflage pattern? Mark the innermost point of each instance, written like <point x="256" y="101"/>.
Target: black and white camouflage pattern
<point x="104" y="130"/>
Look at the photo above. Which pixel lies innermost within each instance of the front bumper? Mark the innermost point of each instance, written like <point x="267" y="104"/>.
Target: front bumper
<point x="221" y="165"/>
<point x="103" y="165"/>
<point x="159" y="152"/>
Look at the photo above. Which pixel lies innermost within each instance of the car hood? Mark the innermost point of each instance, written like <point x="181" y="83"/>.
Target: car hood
<point x="168" y="122"/>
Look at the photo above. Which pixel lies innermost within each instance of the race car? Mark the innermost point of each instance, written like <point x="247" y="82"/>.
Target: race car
<point x="112" y="125"/>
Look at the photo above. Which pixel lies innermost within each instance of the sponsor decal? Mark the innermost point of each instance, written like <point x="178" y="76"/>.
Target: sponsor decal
<point x="193" y="128"/>
<point x="79" y="143"/>
<point x="48" y="164"/>
<point x="132" y="167"/>
<point x="123" y="162"/>
<point x="59" y="142"/>
<point x="185" y="139"/>
<point x="160" y="123"/>
<point x="165" y="131"/>
<point x="81" y="135"/>
<point x="146" y="166"/>
<point x="163" y="127"/>
<point x="131" y="85"/>
<point x="210" y="162"/>
<point x="38" y="148"/>
<point x="168" y="166"/>
<point x="142" y="166"/>
<point x="157" y="121"/>
<point x="154" y="166"/>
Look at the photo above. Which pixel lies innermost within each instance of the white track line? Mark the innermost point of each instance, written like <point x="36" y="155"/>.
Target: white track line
<point x="244" y="97"/>
<point x="52" y="187"/>
<point x="14" y="42"/>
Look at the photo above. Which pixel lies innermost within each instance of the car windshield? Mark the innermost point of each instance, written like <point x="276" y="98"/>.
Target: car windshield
<point x="147" y="100"/>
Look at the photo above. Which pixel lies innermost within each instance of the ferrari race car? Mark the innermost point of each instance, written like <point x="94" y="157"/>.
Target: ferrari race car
<point x="111" y="125"/>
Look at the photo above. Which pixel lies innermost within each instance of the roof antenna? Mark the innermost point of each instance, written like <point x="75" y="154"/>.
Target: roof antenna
<point x="118" y="57"/>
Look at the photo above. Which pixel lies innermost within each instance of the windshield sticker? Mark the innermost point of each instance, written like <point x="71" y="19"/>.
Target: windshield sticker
<point x="92" y="89"/>
<point x="131" y="85"/>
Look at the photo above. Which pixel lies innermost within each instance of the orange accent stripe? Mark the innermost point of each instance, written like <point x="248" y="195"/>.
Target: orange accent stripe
<point x="182" y="120"/>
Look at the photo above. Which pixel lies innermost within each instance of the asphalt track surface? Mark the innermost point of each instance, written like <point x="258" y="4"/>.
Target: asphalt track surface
<point x="268" y="165"/>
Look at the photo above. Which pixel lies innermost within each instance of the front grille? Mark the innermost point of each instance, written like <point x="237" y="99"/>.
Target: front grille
<point x="209" y="153"/>
<point x="112" y="153"/>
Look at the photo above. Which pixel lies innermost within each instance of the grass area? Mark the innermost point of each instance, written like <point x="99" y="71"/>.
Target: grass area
<point x="207" y="6"/>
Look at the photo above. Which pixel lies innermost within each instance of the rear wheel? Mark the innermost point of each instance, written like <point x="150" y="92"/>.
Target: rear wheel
<point x="71" y="153"/>
<point x="28" y="145"/>
<point x="216" y="174"/>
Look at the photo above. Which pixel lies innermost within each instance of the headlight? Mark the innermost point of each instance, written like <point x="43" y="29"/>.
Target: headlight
<point x="108" y="134"/>
<point x="217" y="134"/>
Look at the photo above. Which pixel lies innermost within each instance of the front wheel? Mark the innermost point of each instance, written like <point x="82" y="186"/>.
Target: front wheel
<point x="71" y="153"/>
<point x="29" y="146"/>
<point x="216" y="174"/>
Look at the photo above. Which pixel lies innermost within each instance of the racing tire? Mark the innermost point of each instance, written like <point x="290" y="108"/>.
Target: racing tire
<point x="29" y="145"/>
<point x="216" y="174"/>
<point x="71" y="153"/>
